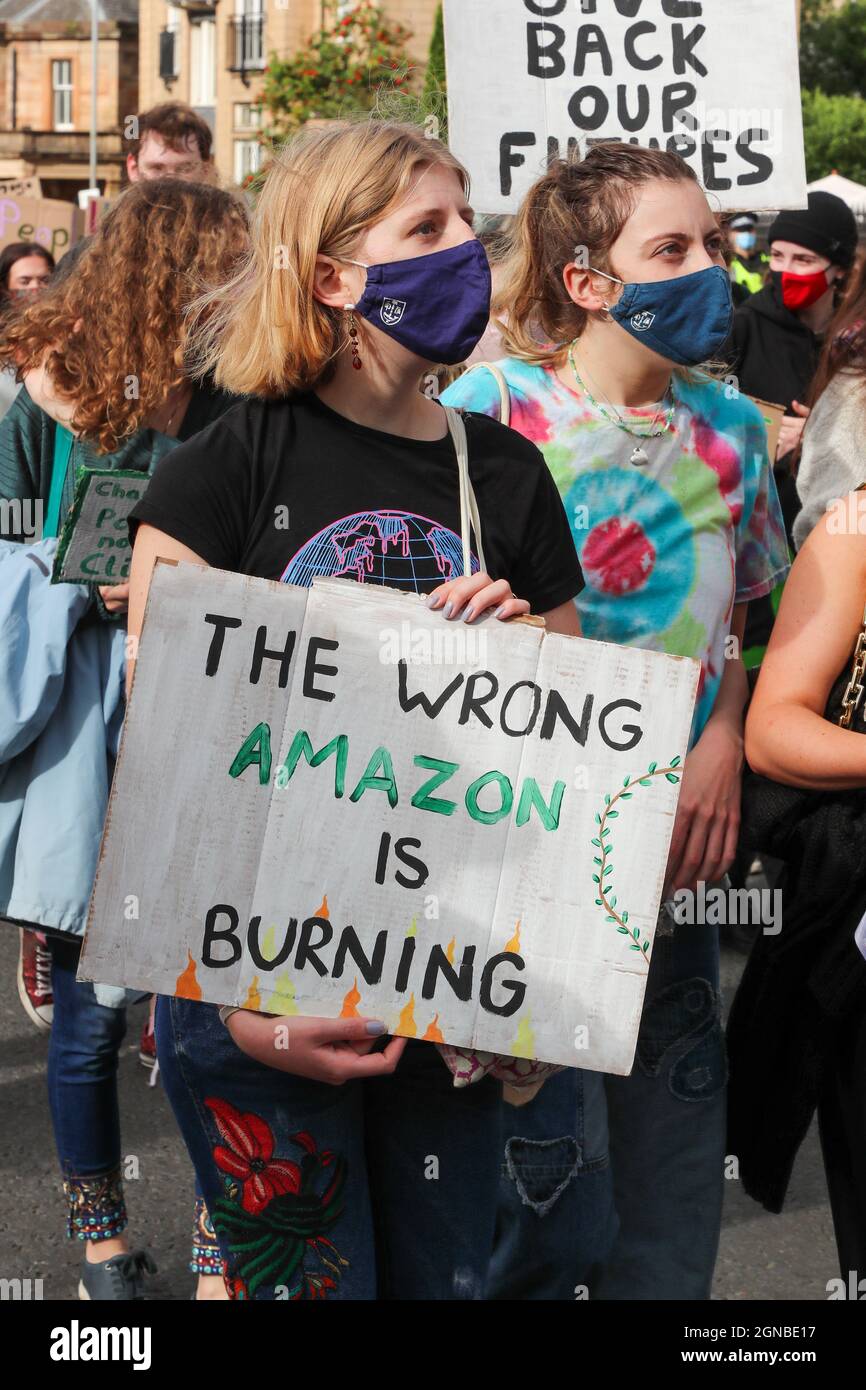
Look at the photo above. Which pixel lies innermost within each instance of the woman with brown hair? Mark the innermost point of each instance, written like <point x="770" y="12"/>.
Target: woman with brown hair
<point x="797" y="1031"/>
<point x="616" y="292"/>
<point x="102" y="354"/>
<point x="833" y="459"/>
<point x="25" y="269"/>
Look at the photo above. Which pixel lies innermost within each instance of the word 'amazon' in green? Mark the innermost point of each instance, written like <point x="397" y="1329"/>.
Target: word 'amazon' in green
<point x="378" y="776"/>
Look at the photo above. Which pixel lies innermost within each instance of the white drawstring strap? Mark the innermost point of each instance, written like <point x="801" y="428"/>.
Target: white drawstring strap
<point x="469" y="514"/>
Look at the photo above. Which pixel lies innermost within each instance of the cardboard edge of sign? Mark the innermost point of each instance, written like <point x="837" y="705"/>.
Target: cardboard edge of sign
<point x="350" y="587"/>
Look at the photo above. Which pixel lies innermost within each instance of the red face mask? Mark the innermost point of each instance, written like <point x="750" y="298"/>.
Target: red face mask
<point x="799" y="291"/>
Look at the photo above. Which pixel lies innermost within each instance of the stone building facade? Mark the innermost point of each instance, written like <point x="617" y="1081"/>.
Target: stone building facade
<point x="212" y="54"/>
<point x="45" y="91"/>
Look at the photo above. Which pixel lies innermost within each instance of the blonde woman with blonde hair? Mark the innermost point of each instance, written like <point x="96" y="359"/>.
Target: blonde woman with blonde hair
<point x="364" y="275"/>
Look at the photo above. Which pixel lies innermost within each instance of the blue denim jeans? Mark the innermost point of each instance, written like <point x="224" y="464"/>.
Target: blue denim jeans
<point x="83" y="1052"/>
<point x="664" y="1129"/>
<point x="82" y="1094"/>
<point x="82" y="1070"/>
<point x="667" y="1123"/>
<point x="384" y="1188"/>
<point x="556" y="1222"/>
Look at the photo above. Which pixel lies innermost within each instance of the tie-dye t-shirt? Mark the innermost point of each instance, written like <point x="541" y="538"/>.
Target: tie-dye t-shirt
<point x="667" y="548"/>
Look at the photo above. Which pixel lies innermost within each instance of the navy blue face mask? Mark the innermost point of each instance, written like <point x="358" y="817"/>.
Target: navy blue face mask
<point x="437" y="306"/>
<point x="685" y="320"/>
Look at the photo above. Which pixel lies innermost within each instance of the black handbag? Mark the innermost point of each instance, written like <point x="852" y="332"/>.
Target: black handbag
<point x="775" y="818"/>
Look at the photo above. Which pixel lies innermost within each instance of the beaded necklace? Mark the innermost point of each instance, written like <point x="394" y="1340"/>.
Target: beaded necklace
<point x="638" y="456"/>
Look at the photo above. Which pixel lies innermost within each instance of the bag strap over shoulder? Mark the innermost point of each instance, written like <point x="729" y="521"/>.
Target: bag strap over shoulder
<point x="468" y="503"/>
<point x="504" y="394"/>
<point x="854" y="689"/>
<point x="63" y="441"/>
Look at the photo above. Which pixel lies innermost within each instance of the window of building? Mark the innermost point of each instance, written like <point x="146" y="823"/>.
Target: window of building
<point x="61" y="94"/>
<point x="248" y="35"/>
<point x="248" y="158"/>
<point x="202" y="62"/>
<point x="248" y="116"/>
<point x="169" y="44"/>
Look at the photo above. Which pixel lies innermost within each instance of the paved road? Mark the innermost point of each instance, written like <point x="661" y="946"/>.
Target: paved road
<point x="764" y="1257"/>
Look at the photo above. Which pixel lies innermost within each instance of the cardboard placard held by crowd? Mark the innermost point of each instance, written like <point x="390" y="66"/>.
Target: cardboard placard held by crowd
<point x="332" y="802"/>
<point x="94" y="541"/>
<point x="54" y="224"/>
<point x="20" y="188"/>
<point x="773" y="417"/>
<point x="720" y="83"/>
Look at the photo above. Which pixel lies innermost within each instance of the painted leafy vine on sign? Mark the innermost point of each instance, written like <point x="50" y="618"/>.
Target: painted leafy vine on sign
<point x="602" y="842"/>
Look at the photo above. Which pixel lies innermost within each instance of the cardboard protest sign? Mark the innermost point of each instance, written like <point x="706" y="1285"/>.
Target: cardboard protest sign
<point x="773" y="417"/>
<point x="94" y="541"/>
<point x="330" y="801"/>
<point x="54" y="224"/>
<point x="20" y="188"/>
<point x="719" y="82"/>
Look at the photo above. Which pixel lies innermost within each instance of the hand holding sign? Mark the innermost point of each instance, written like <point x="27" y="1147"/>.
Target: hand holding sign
<point x="333" y="1050"/>
<point x="470" y="598"/>
<point x="115" y="597"/>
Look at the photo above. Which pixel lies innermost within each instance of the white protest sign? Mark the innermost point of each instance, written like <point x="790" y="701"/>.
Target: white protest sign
<point x="331" y="801"/>
<point x="716" y="80"/>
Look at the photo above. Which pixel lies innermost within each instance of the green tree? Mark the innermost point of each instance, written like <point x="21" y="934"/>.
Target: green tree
<point x="435" y="96"/>
<point x="834" y="131"/>
<point x="833" y="47"/>
<point x="344" y="69"/>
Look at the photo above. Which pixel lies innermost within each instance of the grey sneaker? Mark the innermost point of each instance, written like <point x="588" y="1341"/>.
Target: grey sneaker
<point x="117" y="1280"/>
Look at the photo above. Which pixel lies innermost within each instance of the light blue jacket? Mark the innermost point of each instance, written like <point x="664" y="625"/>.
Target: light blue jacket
<point x="62" y="675"/>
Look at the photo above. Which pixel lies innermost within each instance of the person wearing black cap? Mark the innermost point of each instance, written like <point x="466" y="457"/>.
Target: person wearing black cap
<point x="777" y="338"/>
<point x="748" y="266"/>
<point x="777" y="333"/>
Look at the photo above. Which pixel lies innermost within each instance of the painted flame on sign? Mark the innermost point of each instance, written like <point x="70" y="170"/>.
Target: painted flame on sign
<point x="351" y="1002"/>
<point x="406" y="1025"/>
<point x="187" y="986"/>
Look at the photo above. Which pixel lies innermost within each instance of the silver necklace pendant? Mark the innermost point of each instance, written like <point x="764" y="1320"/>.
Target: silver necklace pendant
<point x="639" y="457"/>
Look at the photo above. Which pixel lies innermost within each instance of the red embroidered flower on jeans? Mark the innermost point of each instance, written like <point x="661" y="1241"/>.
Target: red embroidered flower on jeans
<point x="247" y="1154"/>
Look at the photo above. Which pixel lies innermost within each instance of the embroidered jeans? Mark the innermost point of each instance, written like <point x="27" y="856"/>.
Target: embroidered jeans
<point x="384" y="1188"/>
<point x="82" y="1092"/>
<point x="86" y="1038"/>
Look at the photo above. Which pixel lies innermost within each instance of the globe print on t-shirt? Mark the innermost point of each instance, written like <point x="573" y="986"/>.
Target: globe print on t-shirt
<point x="396" y="548"/>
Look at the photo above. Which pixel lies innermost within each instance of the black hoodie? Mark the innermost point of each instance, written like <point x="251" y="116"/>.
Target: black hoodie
<point x="774" y="356"/>
<point x="772" y="352"/>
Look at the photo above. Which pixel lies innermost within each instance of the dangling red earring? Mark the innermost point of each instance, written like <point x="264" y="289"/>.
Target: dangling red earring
<point x="353" y="338"/>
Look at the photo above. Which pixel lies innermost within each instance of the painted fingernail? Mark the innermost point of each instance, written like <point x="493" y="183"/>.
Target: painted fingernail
<point x="375" y="1028"/>
<point x="446" y="611"/>
<point x="500" y="610"/>
<point x="469" y="615"/>
<point x="434" y="600"/>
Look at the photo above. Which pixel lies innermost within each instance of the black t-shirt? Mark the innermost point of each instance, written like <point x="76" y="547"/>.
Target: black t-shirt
<point x="290" y="489"/>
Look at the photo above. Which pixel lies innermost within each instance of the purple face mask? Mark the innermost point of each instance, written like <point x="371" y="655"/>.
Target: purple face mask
<point x="437" y="306"/>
